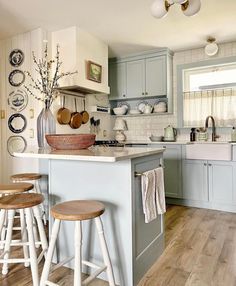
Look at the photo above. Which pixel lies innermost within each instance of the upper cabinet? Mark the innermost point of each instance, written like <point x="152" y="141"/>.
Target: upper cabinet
<point x="77" y="49"/>
<point x="143" y="75"/>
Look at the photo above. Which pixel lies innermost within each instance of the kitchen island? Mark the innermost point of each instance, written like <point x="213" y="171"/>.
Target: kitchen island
<point x="107" y="174"/>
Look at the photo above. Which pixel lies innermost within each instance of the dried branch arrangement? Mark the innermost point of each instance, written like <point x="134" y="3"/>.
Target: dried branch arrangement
<point x="44" y="87"/>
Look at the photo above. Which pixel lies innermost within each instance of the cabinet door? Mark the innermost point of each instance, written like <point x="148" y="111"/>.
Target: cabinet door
<point x="172" y="162"/>
<point x="222" y="182"/>
<point x="117" y="80"/>
<point x="135" y="79"/>
<point x="156" y="76"/>
<point x="195" y="185"/>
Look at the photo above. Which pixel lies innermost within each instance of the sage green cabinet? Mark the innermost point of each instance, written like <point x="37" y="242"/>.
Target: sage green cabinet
<point x="140" y="76"/>
<point x="194" y="174"/>
<point x="222" y="182"/>
<point x="135" y="79"/>
<point x="156" y="76"/>
<point x="172" y="169"/>
<point x="117" y="80"/>
<point x="210" y="181"/>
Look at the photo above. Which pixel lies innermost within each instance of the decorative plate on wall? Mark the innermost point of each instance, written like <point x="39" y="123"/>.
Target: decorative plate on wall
<point x="16" y="144"/>
<point x="16" y="57"/>
<point x="17" y="123"/>
<point x="16" y="78"/>
<point x="18" y="100"/>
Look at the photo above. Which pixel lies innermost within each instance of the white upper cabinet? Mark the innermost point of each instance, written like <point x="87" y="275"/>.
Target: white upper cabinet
<point x="77" y="47"/>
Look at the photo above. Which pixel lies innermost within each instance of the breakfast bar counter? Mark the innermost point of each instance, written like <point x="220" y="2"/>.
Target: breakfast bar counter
<point x="107" y="174"/>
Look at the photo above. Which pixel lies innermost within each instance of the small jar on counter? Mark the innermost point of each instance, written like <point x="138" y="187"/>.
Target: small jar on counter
<point x="233" y="134"/>
<point x="193" y="135"/>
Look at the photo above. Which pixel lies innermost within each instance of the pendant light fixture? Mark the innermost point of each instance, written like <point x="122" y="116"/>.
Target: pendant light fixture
<point x="160" y="8"/>
<point x="211" y="48"/>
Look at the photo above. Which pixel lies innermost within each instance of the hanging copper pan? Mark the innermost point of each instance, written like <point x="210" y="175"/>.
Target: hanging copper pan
<point x="76" y="118"/>
<point x="63" y="114"/>
<point x="84" y="114"/>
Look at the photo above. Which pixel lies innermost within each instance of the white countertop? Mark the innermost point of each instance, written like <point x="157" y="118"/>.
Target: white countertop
<point x="94" y="153"/>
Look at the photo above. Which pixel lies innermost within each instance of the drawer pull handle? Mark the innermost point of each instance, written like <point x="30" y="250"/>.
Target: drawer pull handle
<point x="136" y="174"/>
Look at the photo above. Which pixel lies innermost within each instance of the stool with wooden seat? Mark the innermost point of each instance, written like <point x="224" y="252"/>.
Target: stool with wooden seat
<point x="10" y="189"/>
<point x="30" y="177"/>
<point x="78" y="211"/>
<point x="28" y="204"/>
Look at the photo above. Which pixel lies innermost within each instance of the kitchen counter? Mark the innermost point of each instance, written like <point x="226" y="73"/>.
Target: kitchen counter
<point x="107" y="174"/>
<point x="93" y="154"/>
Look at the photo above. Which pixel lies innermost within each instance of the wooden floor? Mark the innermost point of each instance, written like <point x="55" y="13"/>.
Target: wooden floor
<point x="200" y="251"/>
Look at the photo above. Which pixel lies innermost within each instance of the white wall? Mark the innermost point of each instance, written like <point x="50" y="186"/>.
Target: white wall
<point x="27" y="42"/>
<point x="140" y="128"/>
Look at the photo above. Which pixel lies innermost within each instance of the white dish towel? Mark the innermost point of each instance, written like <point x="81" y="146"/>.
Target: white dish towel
<point x="153" y="194"/>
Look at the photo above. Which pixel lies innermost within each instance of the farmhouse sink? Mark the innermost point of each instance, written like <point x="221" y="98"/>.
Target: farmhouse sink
<point x="209" y="151"/>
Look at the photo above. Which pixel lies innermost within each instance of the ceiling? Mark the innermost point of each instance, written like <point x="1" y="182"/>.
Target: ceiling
<point x="126" y="25"/>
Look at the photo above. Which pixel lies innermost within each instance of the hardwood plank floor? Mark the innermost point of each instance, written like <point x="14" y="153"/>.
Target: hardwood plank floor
<point x="200" y="251"/>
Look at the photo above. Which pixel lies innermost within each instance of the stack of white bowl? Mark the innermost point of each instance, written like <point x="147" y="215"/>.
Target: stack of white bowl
<point x="160" y="107"/>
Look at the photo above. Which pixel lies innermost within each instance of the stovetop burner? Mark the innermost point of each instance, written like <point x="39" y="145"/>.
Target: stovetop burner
<point x="115" y="143"/>
<point x="108" y="143"/>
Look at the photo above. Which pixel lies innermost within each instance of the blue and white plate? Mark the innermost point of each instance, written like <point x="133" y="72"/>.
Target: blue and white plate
<point x="18" y="100"/>
<point x="16" y="144"/>
<point x="16" y="57"/>
<point x="17" y="123"/>
<point x="16" y="78"/>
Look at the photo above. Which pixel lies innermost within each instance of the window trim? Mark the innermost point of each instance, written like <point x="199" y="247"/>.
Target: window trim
<point x="180" y="75"/>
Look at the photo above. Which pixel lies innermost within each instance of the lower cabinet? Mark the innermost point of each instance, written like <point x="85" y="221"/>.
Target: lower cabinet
<point x="222" y="182"/>
<point x="172" y="173"/>
<point x="194" y="174"/>
<point x="212" y="182"/>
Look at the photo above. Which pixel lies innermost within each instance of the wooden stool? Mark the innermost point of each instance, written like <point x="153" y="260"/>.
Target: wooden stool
<point x="28" y="204"/>
<point x="10" y="189"/>
<point x="78" y="211"/>
<point x="35" y="177"/>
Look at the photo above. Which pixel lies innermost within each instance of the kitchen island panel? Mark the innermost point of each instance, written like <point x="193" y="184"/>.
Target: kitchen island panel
<point x="110" y="184"/>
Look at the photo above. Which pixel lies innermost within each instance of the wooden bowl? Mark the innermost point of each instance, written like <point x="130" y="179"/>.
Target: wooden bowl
<point x="70" y="141"/>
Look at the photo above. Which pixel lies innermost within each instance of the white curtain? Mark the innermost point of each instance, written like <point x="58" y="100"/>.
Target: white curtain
<point x="220" y="103"/>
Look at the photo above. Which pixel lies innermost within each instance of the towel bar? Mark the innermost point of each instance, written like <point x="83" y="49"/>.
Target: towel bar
<point x="136" y="174"/>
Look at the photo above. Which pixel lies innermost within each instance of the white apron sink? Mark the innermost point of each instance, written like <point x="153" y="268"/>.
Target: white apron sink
<point x="209" y="151"/>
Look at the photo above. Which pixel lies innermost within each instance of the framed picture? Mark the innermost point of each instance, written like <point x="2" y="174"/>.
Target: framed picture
<point x="94" y="71"/>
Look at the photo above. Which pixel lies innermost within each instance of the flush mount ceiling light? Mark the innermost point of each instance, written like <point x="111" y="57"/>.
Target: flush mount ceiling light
<point x="160" y="8"/>
<point x="211" y="48"/>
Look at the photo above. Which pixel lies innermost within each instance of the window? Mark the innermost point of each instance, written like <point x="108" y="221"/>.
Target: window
<point x="209" y="90"/>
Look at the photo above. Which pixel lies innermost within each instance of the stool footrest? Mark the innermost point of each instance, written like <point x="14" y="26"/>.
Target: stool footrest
<point x="50" y="283"/>
<point x="66" y="260"/>
<point x="15" y="260"/>
<point x="94" y="275"/>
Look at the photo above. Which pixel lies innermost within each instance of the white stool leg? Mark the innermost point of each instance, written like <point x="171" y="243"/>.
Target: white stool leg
<point x="106" y="257"/>
<point x="35" y="230"/>
<point x="7" y="248"/>
<point x="78" y="254"/>
<point x="24" y="236"/>
<point x="32" y="250"/>
<point x="2" y="227"/>
<point x="42" y="234"/>
<point x="48" y="261"/>
<point x="38" y="191"/>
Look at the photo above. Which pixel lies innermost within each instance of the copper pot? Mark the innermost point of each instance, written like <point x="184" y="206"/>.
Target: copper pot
<point x="63" y="114"/>
<point x="76" y="118"/>
<point x="84" y="114"/>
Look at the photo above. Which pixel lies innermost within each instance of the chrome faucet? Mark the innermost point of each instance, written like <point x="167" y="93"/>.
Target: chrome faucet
<point x="214" y="136"/>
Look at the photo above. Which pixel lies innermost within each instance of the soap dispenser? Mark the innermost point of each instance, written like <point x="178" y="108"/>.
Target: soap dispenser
<point x="233" y="134"/>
